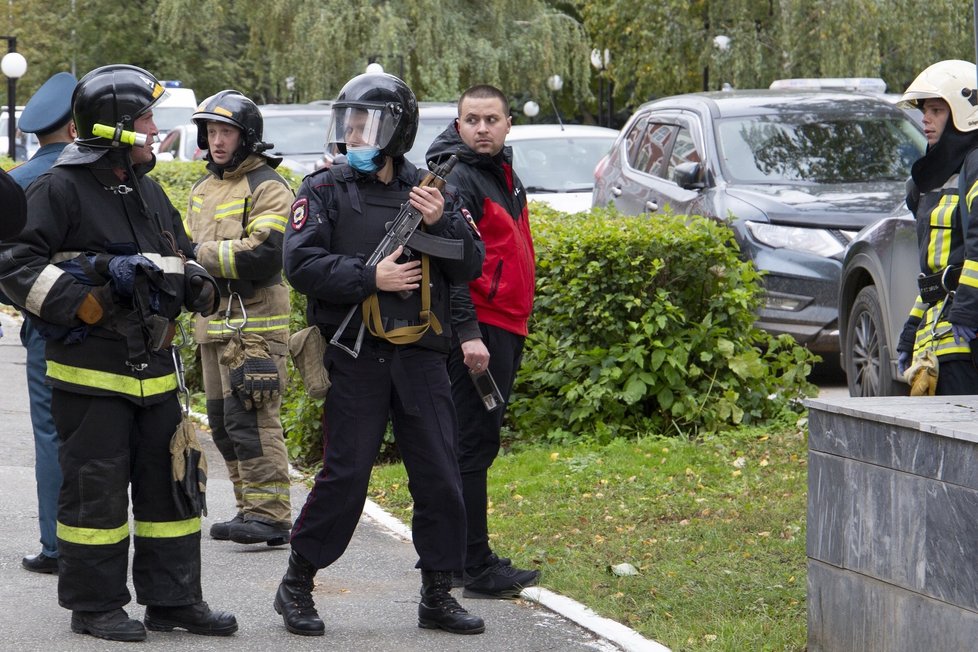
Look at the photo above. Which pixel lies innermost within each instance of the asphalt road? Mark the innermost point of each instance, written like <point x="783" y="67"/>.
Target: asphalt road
<point x="368" y="599"/>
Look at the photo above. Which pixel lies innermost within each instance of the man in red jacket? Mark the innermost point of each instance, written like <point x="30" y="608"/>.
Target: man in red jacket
<point x="489" y="316"/>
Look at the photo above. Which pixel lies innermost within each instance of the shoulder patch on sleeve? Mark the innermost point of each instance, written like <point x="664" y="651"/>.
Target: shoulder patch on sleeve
<point x="300" y="212"/>
<point x="468" y="218"/>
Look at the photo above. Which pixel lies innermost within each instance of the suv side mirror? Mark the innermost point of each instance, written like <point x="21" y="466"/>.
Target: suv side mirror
<point x="689" y="175"/>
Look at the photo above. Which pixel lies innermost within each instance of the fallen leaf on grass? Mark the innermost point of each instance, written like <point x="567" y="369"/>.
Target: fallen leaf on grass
<point x="623" y="569"/>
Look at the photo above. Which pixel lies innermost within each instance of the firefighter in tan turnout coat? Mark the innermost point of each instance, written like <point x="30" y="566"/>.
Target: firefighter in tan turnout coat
<point x="236" y="218"/>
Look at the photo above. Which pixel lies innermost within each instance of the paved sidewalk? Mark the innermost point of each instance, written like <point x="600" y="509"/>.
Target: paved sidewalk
<point x="368" y="599"/>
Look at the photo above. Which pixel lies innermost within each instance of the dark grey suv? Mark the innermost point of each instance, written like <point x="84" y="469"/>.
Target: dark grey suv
<point x="876" y="292"/>
<point x="795" y="174"/>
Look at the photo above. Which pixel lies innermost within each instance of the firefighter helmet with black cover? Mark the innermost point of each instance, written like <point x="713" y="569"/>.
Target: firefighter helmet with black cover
<point x="953" y="81"/>
<point x="233" y="108"/>
<point x="114" y="95"/>
<point x="375" y="110"/>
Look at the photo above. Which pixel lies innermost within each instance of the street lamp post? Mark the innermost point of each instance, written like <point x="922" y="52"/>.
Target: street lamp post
<point x="600" y="59"/>
<point x="13" y="65"/>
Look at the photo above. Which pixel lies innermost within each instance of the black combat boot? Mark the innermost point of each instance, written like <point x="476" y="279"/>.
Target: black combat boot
<point x="439" y="610"/>
<point x="294" y="598"/>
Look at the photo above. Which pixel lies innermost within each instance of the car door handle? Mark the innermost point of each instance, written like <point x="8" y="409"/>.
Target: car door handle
<point x="616" y="191"/>
<point x="651" y="206"/>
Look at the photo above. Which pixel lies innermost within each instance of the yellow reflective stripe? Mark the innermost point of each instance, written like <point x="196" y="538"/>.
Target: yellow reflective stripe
<point x="970" y="195"/>
<point x="167" y="529"/>
<point x="266" y="492"/>
<point x="111" y="382"/>
<point x="918" y="308"/>
<point x="969" y="274"/>
<point x="196" y="203"/>
<point x="939" y="246"/>
<point x="225" y="259"/>
<point x="273" y="222"/>
<point x="254" y="325"/>
<point x="90" y="536"/>
<point x="233" y="208"/>
<point x="186" y="226"/>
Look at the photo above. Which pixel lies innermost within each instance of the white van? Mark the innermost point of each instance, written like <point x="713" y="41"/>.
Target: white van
<point x="175" y="109"/>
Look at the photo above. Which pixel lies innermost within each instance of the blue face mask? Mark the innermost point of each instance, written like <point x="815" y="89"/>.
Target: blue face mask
<point x="362" y="158"/>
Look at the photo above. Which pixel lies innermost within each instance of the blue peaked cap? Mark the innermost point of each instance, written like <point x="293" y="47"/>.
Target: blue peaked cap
<point x="50" y="107"/>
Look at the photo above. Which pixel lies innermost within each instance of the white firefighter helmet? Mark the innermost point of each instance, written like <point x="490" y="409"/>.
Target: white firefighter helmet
<point x="955" y="82"/>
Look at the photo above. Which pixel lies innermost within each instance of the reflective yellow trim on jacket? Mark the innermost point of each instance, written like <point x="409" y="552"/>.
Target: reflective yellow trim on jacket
<point x="969" y="274"/>
<point x="196" y="203"/>
<point x="167" y="529"/>
<point x="944" y="344"/>
<point x="266" y="492"/>
<point x="90" y="536"/>
<point x="111" y="382"/>
<point x="234" y="208"/>
<point x="225" y="259"/>
<point x="970" y="195"/>
<point x="939" y="245"/>
<point x="217" y="327"/>
<point x="919" y="308"/>
<point x="267" y="221"/>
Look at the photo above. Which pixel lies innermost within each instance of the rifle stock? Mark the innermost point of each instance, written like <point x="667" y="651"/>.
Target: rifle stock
<point x="401" y="229"/>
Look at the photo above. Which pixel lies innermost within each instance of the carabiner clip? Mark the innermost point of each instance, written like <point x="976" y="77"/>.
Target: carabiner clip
<point x="227" y="314"/>
<point x="179" y="369"/>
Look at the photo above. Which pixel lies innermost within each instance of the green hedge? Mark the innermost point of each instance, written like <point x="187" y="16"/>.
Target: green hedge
<point x="646" y="325"/>
<point x="640" y="326"/>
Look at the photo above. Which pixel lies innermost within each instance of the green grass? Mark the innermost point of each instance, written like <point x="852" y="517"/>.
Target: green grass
<point x="715" y="527"/>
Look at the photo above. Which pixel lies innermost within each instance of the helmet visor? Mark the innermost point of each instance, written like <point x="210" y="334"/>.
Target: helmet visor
<point x="363" y="126"/>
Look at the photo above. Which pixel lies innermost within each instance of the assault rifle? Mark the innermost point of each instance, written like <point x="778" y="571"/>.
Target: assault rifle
<point x="403" y="230"/>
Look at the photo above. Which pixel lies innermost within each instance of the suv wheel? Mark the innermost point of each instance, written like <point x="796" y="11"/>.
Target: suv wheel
<point x="868" y="361"/>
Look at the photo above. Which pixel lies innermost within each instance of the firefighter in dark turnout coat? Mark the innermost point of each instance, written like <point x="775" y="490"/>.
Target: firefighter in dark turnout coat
<point x="339" y="217"/>
<point x="944" y="183"/>
<point x="102" y="270"/>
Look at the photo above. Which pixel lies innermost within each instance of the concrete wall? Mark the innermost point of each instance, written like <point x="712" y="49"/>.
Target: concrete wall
<point x="892" y="527"/>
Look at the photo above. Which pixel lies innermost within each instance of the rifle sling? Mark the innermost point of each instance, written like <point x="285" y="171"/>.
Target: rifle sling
<point x="404" y="334"/>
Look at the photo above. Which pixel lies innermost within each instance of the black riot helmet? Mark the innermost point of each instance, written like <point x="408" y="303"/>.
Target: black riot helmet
<point x="233" y="108"/>
<point x="115" y="96"/>
<point x="375" y="110"/>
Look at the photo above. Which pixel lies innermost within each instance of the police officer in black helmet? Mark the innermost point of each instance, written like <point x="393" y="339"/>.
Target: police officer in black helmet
<point x="110" y="364"/>
<point x="338" y="219"/>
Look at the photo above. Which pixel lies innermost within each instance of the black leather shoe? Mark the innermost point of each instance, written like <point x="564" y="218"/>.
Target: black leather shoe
<point x="222" y="531"/>
<point x="498" y="580"/>
<point x="40" y="563"/>
<point x="195" y="618"/>
<point x="114" y="625"/>
<point x="259" y="532"/>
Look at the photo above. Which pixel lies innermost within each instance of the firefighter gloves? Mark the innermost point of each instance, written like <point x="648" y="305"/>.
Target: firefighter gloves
<point x="189" y="470"/>
<point x="202" y="293"/>
<point x="253" y="373"/>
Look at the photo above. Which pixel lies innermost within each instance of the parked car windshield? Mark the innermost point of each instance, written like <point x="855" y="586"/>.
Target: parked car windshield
<point x="799" y="147"/>
<point x="297" y="133"/>
<point x="559" y="164"/>
<point x="166" y="118"/>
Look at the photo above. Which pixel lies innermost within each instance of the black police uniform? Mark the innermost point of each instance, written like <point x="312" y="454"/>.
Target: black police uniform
<point x="338" y="219"/>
